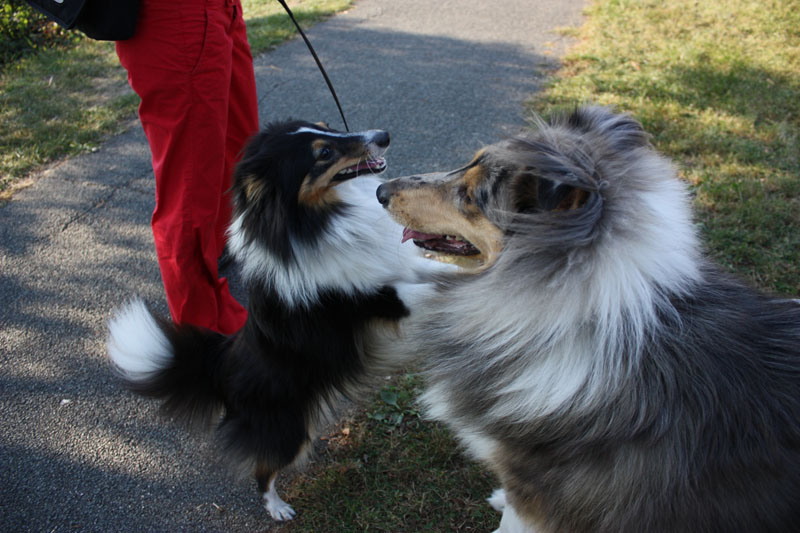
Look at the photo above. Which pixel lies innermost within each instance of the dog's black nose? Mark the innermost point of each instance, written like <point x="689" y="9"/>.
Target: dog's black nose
<point x="382" y="139"/>
<point x="384" y="194"/>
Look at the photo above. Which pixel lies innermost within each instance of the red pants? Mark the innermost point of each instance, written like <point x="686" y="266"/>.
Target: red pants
<point x="190" y="64"/>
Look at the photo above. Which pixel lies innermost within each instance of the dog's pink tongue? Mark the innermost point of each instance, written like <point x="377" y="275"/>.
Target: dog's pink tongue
<point x="417" y="236"/>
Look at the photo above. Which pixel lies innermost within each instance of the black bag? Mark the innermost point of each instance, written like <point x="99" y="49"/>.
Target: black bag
<point x="104" y="20"/>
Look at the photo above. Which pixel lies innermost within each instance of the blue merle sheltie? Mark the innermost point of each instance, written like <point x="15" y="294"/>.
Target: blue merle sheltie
<point x="328" y="286"/>
<point x="606" y="371"/>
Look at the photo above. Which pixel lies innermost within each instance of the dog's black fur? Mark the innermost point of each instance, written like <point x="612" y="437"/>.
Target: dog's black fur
<point x="311" y="332"/>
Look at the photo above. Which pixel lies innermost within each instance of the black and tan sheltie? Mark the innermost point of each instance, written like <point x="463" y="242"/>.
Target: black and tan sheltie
<point x="612" y="377"/>
<point x="327" y="285"/>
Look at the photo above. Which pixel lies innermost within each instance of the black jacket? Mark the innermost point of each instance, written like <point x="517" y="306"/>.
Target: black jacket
<point x="105" y="20"/>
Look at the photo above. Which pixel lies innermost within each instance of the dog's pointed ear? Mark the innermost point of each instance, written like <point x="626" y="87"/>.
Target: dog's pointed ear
<point x="620" y="131"/>
<point x="555" y="196"/>
<point x="536" y="194"/>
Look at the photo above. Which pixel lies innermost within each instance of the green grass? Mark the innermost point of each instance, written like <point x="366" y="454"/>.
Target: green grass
<point x="718" y="86"/>
<point x="57" y="103"/>
<point x="268" y="25"/>
<point x="389" y="470"/>
<point x="65" y="101"/>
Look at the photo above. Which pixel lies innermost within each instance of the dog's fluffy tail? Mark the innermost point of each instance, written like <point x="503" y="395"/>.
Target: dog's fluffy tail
<point x="181" y="365"/>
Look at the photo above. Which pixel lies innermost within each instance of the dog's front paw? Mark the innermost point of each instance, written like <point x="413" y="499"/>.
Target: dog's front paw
<point x="277" y="508"/>
<point x="497" y="500"/>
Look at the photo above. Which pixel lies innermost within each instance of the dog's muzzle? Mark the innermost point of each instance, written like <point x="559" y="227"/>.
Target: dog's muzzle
<point x="391" y="187"/>
<point x="384" y="193"/>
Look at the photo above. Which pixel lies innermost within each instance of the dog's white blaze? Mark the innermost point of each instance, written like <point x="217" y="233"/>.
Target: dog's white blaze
<point x="362" y="250"/>
<point x="136" y="345"/>
<point x="314" y="131"/>
<point x="368" y="136"/>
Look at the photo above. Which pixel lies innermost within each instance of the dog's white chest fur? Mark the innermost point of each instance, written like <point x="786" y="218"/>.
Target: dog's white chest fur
<point x="361" y="250"/>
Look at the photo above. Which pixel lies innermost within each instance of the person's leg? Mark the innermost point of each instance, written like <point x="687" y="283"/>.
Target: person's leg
<point x="242" y="124"/>
<point x="179" y="64"/>
<point x="243" y="101"/>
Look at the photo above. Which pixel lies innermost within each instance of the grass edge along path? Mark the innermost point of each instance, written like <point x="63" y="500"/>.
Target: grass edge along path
<point x="65" y="101"/>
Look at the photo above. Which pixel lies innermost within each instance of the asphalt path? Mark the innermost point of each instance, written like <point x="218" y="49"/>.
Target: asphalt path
<point x="77" y="453"/>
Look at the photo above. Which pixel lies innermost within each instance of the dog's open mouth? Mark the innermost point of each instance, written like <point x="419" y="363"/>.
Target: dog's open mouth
<point x="447" y="244"/>
<point x="367" y="166"/>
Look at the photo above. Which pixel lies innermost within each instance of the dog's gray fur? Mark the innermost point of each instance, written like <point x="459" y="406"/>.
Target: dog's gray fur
<point x="613" y="378"/>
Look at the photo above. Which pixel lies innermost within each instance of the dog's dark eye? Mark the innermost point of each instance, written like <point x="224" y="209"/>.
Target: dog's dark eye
<point x="465" y="196"/>
<point x="324" y="154"/>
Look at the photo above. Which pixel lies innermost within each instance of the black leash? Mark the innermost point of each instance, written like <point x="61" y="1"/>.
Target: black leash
<point x="321" y="69"/>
